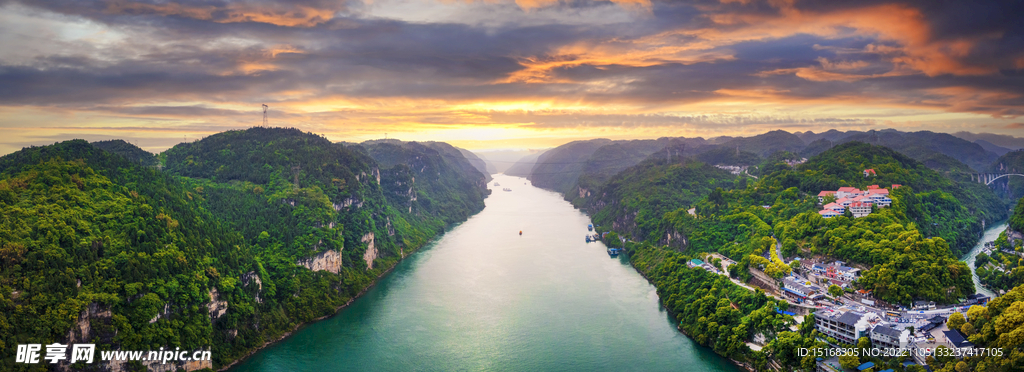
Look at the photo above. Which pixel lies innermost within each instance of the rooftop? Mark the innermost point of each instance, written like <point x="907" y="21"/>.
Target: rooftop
<point x="850" y="318"/>
<point x="957" y="339"/>
<point x="886" y="330"/>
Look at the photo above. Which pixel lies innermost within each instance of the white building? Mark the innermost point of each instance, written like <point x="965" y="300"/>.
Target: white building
<point x="848" y="192"/>
<point x="828" y="213"/>
<point x="860" y="209"/>
<point x="884" y="336"/>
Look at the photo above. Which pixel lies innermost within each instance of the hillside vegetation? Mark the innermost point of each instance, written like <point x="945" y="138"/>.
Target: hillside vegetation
<point x="243" y="236"/>
<point x="905" y="245"/>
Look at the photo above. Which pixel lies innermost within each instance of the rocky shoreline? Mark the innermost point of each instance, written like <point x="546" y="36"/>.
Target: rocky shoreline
<point x="336" y="310"/>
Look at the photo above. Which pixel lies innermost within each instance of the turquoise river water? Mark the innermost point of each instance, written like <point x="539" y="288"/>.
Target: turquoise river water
<point x="483" y="298"/>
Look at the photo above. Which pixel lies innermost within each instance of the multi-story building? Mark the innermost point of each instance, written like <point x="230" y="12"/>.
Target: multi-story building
<point x="828" y="213"/>
<point x="848" y="192"/>
<point x="822" y="195"/>
<point x="860" y="209"/>
<point x="845" y="327"/>
<point x="884" y="336"/>
<point x="836" y="270"/>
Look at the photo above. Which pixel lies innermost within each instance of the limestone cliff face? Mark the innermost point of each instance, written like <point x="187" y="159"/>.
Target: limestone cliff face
<point x="216" y="307"/>
<point x="1013" y="236"/>
<point x="329" y="260"/>
<point x="252" y="277"/>
<point x="675" y="239"/>
<point x="371" y="250"/>
<point x="82" y="332"/>
<point x="159" y="366"/>
<point x="584" y="193"/>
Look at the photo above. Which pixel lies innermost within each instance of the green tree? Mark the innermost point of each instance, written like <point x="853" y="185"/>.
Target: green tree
<point x="967" y="329"/>
<point x="835" y="291"/>
<point x="849" y="361"/>
<point x="955" y="321"/>
<point x="863" y="343"/>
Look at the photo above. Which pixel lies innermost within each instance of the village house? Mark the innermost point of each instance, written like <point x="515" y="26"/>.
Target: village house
<point x="869" y="172"/>
<point x="956" y="340"/>
<point x="797" y="289"/>
<point x="836" y="270"/>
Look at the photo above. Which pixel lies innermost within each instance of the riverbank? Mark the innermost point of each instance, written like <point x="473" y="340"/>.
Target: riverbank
<point x="338" y="309"/>
<point x="673" y="314"/>
<point x="482" y="297"/>
<point x="990" y="234"/>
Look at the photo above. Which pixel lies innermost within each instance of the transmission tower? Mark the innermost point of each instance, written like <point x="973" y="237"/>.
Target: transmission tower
<point x="265" y="107"/>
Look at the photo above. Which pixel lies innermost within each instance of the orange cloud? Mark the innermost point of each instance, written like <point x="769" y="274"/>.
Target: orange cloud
<point x="534" y="4"/>
<point x="916" y="51"/>
<point x="276" y="14"/>
<point x="903" y="25"/>
<point x="969" y="99"/>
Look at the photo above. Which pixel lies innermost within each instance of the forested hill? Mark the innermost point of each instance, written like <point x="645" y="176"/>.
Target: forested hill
<point x="435" y="175"/>
<point x="94" y="244"/>
<point x="742" y="217"/>
<point x="634" y="201"/>
<point x="129" y="151"/>
<point x="924" y="146"/>
<point x="955" y="207"/>
<point x="221" y="250"/>
<point x="1011" y="162"/>
<point x="485" y="167"/>
<point x="557" y="169"/>
<point x="939" y="206"/>
<point x="767" y="143"/>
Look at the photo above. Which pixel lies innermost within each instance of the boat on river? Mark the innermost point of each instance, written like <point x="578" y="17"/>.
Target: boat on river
<point x="590" y="227"/>
<point x="614" y="252"/>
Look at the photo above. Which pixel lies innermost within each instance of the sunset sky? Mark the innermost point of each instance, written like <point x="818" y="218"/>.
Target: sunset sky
<point x="505" y="74"/>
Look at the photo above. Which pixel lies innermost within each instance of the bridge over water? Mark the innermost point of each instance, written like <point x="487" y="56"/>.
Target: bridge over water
<point x="988" y="178"/>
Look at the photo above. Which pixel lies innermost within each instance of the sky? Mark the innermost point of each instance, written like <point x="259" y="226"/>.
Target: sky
<point x="505" y="74"/>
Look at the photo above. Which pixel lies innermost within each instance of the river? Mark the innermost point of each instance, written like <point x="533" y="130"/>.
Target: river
<point x="482" y="297"/>
<point x="989" y="235"/>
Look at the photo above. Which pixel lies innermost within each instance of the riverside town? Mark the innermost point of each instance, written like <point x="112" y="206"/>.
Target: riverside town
<point x="511" y="185"/>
